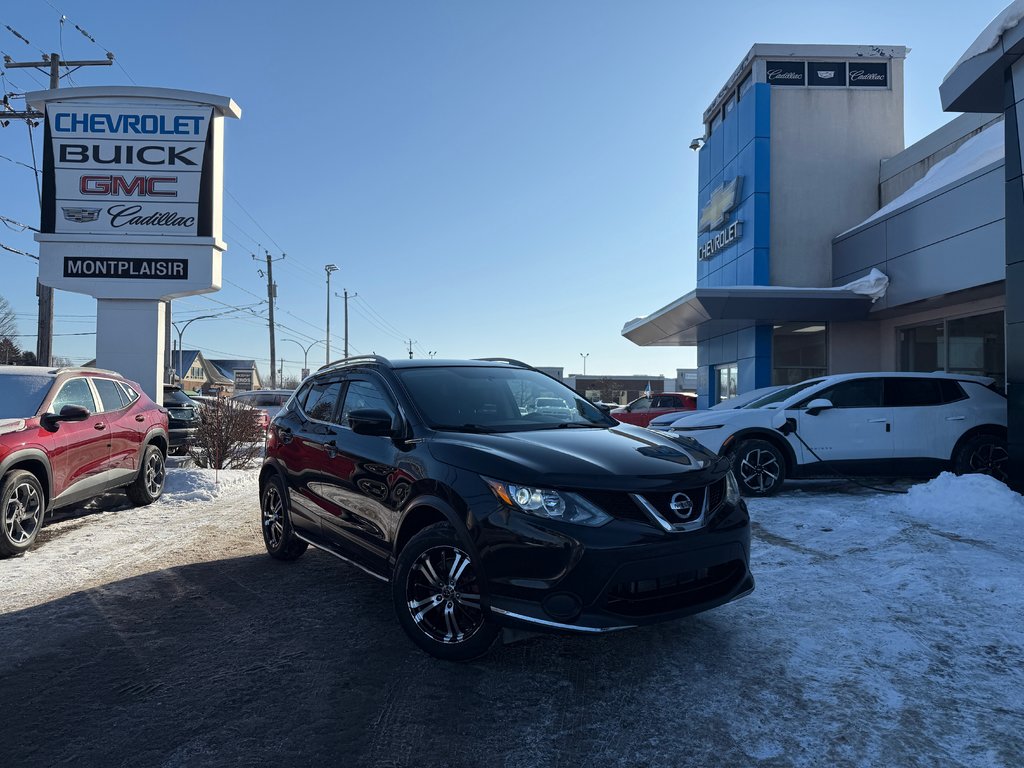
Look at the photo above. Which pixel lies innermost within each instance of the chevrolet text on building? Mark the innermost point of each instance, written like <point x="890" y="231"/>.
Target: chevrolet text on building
<point x="132" y="197"/>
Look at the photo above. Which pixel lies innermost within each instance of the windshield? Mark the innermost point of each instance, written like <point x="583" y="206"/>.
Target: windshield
<point x="493" y="399"/>
<point x="784" y="394"/>
<point x="21" y="395"/>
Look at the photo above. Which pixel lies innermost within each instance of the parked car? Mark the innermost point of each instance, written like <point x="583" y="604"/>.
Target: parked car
<point x="182" y="419"/>
<point x="426" y="474"/>
<point x="270" y="401"/>
<point x="746" y="400"/>
<point x="67" y="435"/>
<point x="552" y="406"/>
<point x="643" y="409"/>
<point x="884" y="424"/>
<point x="259" y="414"/>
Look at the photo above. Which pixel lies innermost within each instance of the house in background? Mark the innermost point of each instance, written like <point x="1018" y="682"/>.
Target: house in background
<point x="197" y="375"/>
<point x="243" y="375"/>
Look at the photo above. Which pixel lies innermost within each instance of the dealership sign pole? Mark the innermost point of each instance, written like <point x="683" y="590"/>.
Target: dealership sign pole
<point x="131" y="213"/>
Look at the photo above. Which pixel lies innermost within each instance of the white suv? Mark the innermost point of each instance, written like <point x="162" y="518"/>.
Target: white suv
<point x="860" y="423"/>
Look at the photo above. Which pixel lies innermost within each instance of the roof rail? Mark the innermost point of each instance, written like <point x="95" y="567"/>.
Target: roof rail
<point x="353" y="360"/>
<point x="83" y="369"/>
<point x="509" y="360"/>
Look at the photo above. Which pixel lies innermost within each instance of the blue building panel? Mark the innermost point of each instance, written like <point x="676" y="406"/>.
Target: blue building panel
<point x="740" y="146"/>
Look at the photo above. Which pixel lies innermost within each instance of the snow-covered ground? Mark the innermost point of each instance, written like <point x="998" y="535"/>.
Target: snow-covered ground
<point x="885" y="629"/>
<point x="203" y="515"/>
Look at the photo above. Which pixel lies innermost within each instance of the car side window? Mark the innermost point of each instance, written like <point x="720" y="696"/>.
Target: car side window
<point x="856" y="393"/>
<point x="909" y="392"/>
<point x="952" y="392"/>
<point x="111" y="396"/>
<point x="322" y="400"/>
<point x="665" y="401"/>
<point x="643" y="402"/>
<point x="74" y="392"/>
<point x="365" y="393"/>
<point x="129" y="393"/>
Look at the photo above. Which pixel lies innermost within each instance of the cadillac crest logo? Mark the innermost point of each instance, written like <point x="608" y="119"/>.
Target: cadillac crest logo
<point x="81" y="215"/>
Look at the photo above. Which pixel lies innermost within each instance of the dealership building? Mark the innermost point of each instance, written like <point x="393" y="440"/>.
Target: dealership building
<point x="827" y="246"/>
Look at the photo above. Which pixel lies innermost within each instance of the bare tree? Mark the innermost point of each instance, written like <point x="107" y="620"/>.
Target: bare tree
<point x="8" y="322"/>
<point x="229" y="436"/>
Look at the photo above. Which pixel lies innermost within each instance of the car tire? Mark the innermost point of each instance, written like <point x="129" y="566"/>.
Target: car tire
<point x="148" y="485"/>
<point x="438" y="596"/>
<point x="983" y="455"/>
<point x="759" y="466"/>
<point x="22" y="508"/>
<point x="275" y="522"/>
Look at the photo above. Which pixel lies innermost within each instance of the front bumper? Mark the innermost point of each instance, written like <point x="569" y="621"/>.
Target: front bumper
<point x="559" y="577"/>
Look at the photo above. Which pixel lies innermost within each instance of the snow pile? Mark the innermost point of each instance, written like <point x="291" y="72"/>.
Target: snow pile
<point x="974" y="154"/>
<point x="992" y="34"/>
<point x="969" y="504"/>
<point x="188" y="485"/>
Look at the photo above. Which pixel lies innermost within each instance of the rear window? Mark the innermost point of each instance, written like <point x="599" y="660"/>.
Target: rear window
<point x="21" y="396"/>
<point x="177" y="397"/>
<point x="112" y="396"/>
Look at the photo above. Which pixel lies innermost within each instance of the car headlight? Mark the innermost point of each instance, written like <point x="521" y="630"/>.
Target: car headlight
<point x="550" y="505"/>
<point x="697" y="429"/>
<point x="732" y="488"/>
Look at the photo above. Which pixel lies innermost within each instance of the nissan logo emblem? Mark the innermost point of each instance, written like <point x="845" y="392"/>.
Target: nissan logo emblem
<point x="681" y="505"/>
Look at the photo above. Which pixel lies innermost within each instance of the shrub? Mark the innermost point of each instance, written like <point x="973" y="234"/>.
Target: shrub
<point x="229" y="436"/>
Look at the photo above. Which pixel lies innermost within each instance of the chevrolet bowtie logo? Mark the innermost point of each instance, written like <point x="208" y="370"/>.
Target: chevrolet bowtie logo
<point x="722" y="201"/>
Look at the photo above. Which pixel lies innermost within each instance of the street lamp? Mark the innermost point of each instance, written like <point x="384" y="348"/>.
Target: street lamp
<point x="329" y="268"/>
<point x="584" y="362"/>
<point x="305" y="351"/>
<point x="186" y="324"/>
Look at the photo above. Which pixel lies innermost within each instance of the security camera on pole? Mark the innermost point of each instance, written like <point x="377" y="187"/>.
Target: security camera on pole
<point x="131" y="210"/>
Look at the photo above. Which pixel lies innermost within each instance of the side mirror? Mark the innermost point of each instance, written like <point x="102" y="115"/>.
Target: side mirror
<point x="603" y="408"/>
<point x="818" y="405"/>
<point x="51" y="421"/>
<point x="371" y="421"/>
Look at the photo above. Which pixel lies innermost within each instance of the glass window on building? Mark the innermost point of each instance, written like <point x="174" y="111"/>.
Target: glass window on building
<point x="745" y="85"/>
<point x="974" y="345"/>
<point x="730" y="104"/>
<point x="799" y="352"/>
<point x="728" y="380"/>
<point x="716" y="121"/>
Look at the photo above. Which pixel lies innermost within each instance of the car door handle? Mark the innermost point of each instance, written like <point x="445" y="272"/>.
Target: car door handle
<point x="139" y="417"/>
<point x="877" y="421"/>
<point x="99" y="425"/>
<point x="285" y="434"/>
<point x="955" y="418"/>
<point x="331" y="448"/>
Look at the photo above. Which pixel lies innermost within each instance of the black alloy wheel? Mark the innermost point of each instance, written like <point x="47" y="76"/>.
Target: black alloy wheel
<point x="280" y="540"/>
<point x="23" y="506"/>
<point x="149" y="483"/>
<point x="759" y="467"/>
<point x="983" y="455"/>
<point x="438" y="596"/>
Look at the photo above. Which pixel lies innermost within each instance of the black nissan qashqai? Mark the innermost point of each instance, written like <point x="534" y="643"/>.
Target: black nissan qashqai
<point x="484" y="510"/>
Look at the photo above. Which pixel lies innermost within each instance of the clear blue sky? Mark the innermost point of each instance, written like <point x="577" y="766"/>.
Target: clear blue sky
<point x="493" y="178"/>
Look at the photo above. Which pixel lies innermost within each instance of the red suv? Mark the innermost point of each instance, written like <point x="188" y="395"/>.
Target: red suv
<point x="67" y="435"/>
<point x="643" y="409"/>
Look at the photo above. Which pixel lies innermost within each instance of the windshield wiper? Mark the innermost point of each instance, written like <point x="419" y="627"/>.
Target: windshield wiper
<point x="474" y="428"/>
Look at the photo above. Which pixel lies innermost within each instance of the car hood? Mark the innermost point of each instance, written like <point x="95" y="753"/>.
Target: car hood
<point x="618" y="458"/>
<point x="738" y="418"/>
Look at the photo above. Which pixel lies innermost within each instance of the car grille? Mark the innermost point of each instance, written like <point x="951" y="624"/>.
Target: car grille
<point x="650" y="597"/>
<point x="623" y="507"/>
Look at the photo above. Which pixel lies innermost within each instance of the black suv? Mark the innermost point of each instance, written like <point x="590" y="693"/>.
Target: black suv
<point x="483" y="512"/>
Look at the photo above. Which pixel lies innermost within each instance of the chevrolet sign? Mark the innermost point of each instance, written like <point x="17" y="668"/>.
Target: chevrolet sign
<point x="720" y="241"/>
<point x="723" y="200"/>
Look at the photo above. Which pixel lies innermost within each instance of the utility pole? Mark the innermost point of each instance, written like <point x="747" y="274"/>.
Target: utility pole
<point x="346" y="296"/>
<point x="271" y="296"/>
<point x="329" y="269"/>
<point x="44" y="337"/>
<point x="411" y="342"/>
